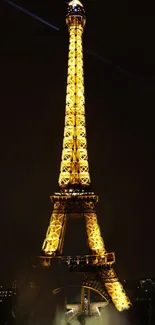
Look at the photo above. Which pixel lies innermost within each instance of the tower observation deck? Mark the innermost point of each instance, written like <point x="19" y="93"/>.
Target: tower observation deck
<point x="75" y="198"/>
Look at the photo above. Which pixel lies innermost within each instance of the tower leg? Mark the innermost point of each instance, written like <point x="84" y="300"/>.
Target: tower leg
<point x="95" y="240"/>
<point x="53" y="242"/>
<point x="115" y="289"/>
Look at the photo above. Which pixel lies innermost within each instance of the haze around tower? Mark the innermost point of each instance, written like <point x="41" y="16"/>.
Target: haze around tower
<point x="108" y="317"/>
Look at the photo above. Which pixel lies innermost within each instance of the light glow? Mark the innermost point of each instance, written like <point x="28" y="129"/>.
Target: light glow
<point x="74" y="167"/>
<point x="95" y="240"/>
<point x="74" y="170"/>
<point x="75" y="3"/>
<point x="56" y="229"/>
<point x="115" y="290"/>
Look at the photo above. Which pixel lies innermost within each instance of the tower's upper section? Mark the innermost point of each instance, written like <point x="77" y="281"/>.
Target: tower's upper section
<point x="75" y="9"/>
<point x="74" y="170"/>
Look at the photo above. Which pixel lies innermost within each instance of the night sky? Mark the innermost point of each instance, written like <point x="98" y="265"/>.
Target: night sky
<point x="120" y="128"/>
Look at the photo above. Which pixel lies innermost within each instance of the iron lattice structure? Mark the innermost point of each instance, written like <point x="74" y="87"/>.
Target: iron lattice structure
<point x="75" y="197"/>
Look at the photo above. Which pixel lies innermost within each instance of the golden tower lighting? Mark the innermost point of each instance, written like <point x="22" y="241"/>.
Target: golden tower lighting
<point x="75" y="198"/>
<point x="74" y="164"/>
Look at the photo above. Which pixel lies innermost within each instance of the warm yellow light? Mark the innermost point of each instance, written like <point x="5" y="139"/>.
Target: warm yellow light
<point x="115" y="290"/>
<point x="118" y="295"/>
<point x="74" y="170"/>
<point x="74" y="161"/>
<point x="95" y="240"/>
<point x="75" y="3"/>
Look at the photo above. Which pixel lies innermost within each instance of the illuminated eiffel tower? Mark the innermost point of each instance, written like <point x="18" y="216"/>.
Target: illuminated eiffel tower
<point x="75" y="198"/>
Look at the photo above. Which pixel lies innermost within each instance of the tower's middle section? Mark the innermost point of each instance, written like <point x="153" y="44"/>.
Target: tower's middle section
<point x="74" y="162"/>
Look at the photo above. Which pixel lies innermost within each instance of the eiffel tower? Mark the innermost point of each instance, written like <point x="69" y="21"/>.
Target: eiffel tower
<point x="75" y="197"/>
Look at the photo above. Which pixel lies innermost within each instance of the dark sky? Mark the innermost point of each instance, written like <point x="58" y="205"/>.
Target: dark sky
<point x="120" y="128"/>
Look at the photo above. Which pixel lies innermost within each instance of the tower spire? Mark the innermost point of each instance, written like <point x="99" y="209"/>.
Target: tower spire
<point x="74" y="169"/>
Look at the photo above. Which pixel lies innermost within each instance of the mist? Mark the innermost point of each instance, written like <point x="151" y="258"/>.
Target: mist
<point x="109" y="316"/>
